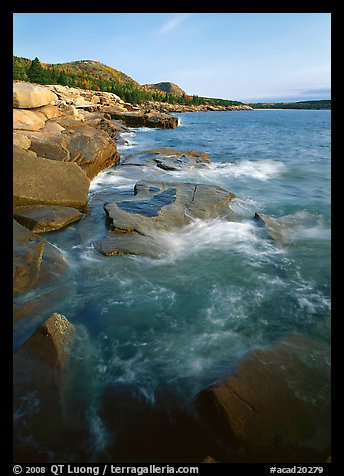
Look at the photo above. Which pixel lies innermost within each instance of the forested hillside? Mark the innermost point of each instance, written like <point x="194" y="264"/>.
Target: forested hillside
<point x="90" y="74"/>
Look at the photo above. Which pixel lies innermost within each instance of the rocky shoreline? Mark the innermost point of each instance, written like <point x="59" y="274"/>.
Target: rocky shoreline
<point x="63" y="137"/>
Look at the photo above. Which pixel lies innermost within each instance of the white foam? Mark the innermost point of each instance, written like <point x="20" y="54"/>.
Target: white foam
<point x="312" y="302"/>
<point x="313" y="233"/>
<point x="111" y="178"/>
<point x="262" y="170"/>
<point x="28" y="404"/>
<point x="201" y="235"/>
<point x="129" y="143"/>
<point x="128" y="134"/>
<point x="142" y="129"/>
<point x="303" y="225"/>
<point x="100" y="435"/>
<point x="89" y="255"/>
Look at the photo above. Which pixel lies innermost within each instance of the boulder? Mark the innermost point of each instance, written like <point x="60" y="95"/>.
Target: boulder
<point x="27" y="257"/>
<point x="42" y="218"/>
<point x="92" y="150"/>
<point x="157" y="207"/>
<point x="38" y="181"/>
<point x="86" y="144"/>
<point x="51" y="342"/>
<point x="28" y="120"/>
<point x="40" y="377"/>
<point x="29" y="96"/>
<point x="276" y="406"/>
<point x="35" y="261"/>
<point x="74" y="141"/>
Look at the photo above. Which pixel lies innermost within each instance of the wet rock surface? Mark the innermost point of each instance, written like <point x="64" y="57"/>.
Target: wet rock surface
<point x="51" y="343"/>
<point x="35" y="261"/>
<point x="42" y="218"/>
<point x="168" y="159"/>
<point x="276" y="405"/>
<point x="166" y="431"/>
<point x="276" y="230"/>
<point x="39" y="377"/>
<point x="158" y="207"/>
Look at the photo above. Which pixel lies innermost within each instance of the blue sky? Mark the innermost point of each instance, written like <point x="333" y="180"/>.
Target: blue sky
<point x="240" y="56"/>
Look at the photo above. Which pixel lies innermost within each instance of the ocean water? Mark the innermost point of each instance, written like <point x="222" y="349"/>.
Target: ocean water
<point x="172" y="326"/>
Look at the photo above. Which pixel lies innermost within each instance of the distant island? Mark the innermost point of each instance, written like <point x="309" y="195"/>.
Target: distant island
<point x="320" y="104"/>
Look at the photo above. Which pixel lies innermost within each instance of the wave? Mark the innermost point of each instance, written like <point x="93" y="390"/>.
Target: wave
<point x="262" y="170"/>
<point x="303" y="225"/>
<point x="128" y="142"/>
<point x="142" y="129"/>
<point x="213" y="235"/>
<point x="100" y="435"/>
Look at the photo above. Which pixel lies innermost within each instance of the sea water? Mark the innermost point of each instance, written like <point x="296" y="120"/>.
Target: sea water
<point x="220" y="289"/>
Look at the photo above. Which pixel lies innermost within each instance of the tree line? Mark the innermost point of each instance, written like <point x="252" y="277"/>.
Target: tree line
<point x="83" y="75"/>
<point x="318" y="104"/>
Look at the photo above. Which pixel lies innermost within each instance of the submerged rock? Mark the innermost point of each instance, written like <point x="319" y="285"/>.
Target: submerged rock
<point x="276" y="405"/>
<point x="43" y="218"/>
<point x="158" y="207"/>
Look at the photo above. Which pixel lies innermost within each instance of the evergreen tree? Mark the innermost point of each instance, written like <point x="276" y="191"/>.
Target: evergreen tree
<point x="36" y="72"/>
<point x="62" y="78"/>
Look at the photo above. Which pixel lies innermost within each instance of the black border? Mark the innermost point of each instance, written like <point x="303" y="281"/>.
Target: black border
<point x="244" y="6"/>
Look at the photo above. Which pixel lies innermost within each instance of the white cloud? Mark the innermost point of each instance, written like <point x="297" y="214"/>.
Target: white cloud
<point x="173" y="23"/>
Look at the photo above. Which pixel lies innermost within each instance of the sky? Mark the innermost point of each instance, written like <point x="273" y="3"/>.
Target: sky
<point x="240" y="56"/>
